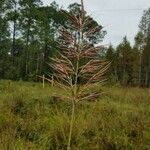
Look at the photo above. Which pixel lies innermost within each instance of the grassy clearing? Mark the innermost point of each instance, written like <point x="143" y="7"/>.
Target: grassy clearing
<point x="30" y="118"/>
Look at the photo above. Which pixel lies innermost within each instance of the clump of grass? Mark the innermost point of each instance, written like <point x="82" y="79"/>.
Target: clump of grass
<point x="109" y="123"/>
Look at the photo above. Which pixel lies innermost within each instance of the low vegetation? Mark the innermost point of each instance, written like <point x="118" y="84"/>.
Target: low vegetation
<point x="32" y="118"/>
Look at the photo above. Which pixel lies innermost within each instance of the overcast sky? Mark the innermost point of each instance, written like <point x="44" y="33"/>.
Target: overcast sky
<point x="119" y="17"/>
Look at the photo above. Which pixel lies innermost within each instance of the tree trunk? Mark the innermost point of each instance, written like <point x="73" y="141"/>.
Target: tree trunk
<point x="14" y="41"/>
<point x="14" y="33"/>
<point x="140" y="70"/>
<point x="146" y="78"/>
<point x="27" y="47"/>
<point x="71" y="125"/>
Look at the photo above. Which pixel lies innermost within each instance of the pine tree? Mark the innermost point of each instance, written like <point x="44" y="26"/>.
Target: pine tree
<point x="142" y="43"/>
<point x="125" y="62"/>
<point x="111" y="56"/>
<point x="4" y="39"/>
<point x="29" y="32"/>
<point x="13" y="18"/>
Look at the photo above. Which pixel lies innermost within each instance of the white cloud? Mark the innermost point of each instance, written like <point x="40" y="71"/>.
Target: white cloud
<point x="119" y="17"/>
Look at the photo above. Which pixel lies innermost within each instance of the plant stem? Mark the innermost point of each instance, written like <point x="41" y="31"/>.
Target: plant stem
<point x="71" y="124"/>
<point x="75" y="91"/>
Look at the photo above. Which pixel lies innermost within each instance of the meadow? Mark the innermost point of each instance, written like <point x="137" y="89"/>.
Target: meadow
<point x="32" y="119"/>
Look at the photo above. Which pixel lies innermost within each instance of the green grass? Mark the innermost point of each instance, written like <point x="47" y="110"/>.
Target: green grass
<point x="31" y="119"/>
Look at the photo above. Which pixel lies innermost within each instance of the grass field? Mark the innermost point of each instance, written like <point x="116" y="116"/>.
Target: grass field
<point x="31" y="119"/>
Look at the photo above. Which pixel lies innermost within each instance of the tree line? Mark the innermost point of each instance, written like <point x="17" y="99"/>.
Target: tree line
<point x="29" y="35"/>
<point x="131" y="64"/>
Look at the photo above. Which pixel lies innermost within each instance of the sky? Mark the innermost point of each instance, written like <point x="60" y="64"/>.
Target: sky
<point x="118" y="17"/>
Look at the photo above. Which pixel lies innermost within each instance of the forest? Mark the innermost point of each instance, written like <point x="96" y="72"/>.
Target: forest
<point x="29" y="35"/>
